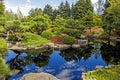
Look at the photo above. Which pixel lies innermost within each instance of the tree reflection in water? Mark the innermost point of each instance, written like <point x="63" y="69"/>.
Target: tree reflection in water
<point x="110" y="53"/>
<point x="40" y="58"/>
<point x="77" y="54"/>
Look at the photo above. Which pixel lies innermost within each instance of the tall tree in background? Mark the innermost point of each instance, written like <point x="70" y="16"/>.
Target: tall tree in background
<point x="79" y="7"/>
<point x="67" y="9"/>
<point x="100" y="7"/>
<point x="35" y="12"/>
<point x="64" y="9"/>
<point x="72" y="11"/>
<point x="88" y="17"/>
<point x="48" y="10"/>
<point x="61" y="9"/>
<point x="19" y="13"/>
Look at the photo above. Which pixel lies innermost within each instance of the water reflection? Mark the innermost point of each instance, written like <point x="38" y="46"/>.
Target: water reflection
<point x="65" y="65"/>
<point x="110" y="53"/>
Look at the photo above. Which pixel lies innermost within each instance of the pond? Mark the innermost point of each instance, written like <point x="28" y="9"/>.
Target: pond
<point x="65" y="65"/>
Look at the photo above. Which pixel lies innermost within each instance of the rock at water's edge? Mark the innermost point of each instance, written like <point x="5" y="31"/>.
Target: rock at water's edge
<point x="38" y="76"/>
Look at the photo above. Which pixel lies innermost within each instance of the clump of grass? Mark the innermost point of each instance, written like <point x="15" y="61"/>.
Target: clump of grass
<point x="112" y="73"/>
<point x="31" y="39"/>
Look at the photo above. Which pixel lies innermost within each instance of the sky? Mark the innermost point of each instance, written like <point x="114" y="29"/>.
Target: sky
<point x="26" y="5"/>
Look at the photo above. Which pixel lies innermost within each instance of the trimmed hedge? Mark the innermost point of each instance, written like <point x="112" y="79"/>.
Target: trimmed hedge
<point x="69" y="40"/>
<point x="46" y="34"/>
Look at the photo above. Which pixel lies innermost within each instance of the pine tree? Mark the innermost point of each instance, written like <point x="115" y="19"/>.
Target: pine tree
<point x="67" y="9"/>
<point x="61" y="9"/>
<point x="55" y="13"/>
<point x="19" y="13"/>
<point x="48" y="10"/>
<point x="64" y="9"/>
<point x="79" y="9"/>
<point x="72" y="11"/>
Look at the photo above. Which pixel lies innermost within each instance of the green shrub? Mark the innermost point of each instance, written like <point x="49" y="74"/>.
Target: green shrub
<point x="4" y="70"/>
<point x="12" y="38"/>
<point x="33" y="39"/>
<point x="69" y="40"/>
<point x="2" y="30"/>
<point x="72" y="32"/>
<point x="3" y="46"/>
<point x="46" y="34"/>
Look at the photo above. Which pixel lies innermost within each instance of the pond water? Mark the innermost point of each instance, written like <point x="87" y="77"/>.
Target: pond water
<point x="65" y="65"/>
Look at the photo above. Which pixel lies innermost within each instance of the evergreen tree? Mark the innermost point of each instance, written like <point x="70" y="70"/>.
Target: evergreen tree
<point x="55" y="13"/>
<point x="100" y="7"/>
<point x="64" y="9"/>
<point x="35" y="12"/>
<point x="61" y="9"/>
<point x="79" y="9"/>
<point x="72" y="11"/>
<point x="19" y="13"/>
<point x="67" y="9"/>
<point x="48" y="10"/>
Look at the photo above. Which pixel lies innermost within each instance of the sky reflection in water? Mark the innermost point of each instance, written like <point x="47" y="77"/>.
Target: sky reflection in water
<point x="58" y="66"/>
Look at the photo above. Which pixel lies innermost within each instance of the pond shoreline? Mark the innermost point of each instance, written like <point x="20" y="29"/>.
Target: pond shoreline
<point x="84" y="74"/>
<point x="49" y="46"/>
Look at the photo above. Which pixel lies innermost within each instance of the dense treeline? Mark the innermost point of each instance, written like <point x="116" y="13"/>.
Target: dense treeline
<point x="67" y="19"/>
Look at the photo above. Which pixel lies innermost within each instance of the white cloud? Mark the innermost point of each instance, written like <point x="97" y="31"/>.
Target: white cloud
<point x="24" y="8"/>
<point x="64" y="75"/>
<point x="29" y="1"/>
<point x="94" y="1"/>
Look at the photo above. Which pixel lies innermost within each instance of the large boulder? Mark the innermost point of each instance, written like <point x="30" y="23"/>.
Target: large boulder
<point x="38" y="76"/>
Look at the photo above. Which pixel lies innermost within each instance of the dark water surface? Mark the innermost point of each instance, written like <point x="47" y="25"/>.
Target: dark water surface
<point x="65" y="65"/>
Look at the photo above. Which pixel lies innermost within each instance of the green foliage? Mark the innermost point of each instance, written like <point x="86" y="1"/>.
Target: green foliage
<point x="2" y="30"/>
<point x="72" y="32"/>
<point x="81" y="8"/>
<point x="88" y="19"/>
<point x="12" y="38"/>
<point x="97" y="20"/>
<point x="13" y="25"/>
<point x="55" y="13"/>
<point x="35" y="12"/>
<point x="30" y="39"/>
<point x="105" y="74"/>
<point x="64" y="9"/>
<point x="40" y="23"/>
<point x="25" y="27"/>
<point x="69" y="40"/>
<point x="48" y="10"/>
<point x="2" y="21"/>
<point x="59" y="21"/>
<point x="3" y="46"/>
<point x="46" y="34"/>
<point x="112" y="16"/>
<point x="1" y="8"/>
<point x="4" y="70"/>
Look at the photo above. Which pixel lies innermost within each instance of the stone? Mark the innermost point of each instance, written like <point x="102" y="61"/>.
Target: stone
<point x="2" y="78"/>
<point x="38" y="76"/>
<point x="75" y="46"/>
<point x="99" y="67"/>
